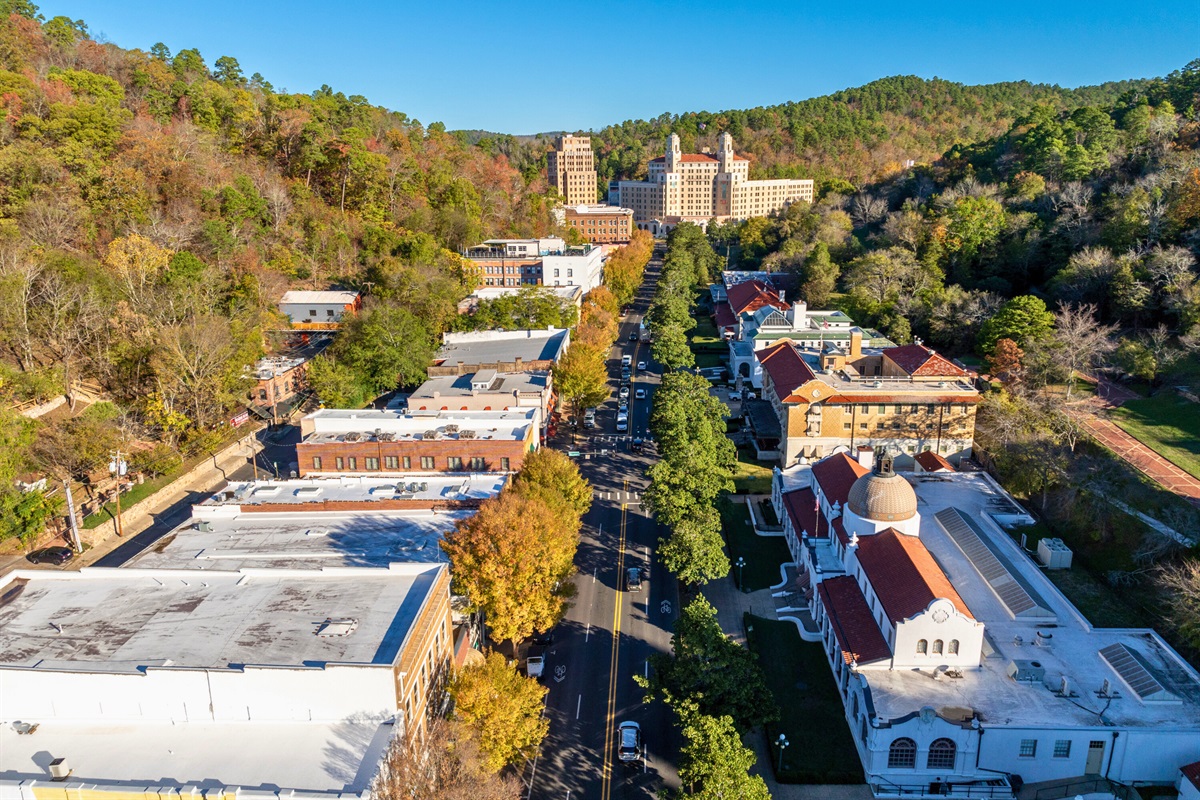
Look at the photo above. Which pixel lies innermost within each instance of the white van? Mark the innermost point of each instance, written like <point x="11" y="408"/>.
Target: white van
<point x="626" y="360"/>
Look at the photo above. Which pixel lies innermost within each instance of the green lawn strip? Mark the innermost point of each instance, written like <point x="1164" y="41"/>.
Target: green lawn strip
<point x="709" y="360"/>
<point x="763" y="554"/>
<point x="752" y="476"/>
<point x="820" y="748"/>
<point x="1166" y="423"/>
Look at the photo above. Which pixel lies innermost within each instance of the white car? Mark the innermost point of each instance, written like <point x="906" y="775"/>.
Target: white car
<point x="624" y="393"/>
<point x="622" y="422"/>
<point x="640" y="394"/>
<point x="641" y="365"/>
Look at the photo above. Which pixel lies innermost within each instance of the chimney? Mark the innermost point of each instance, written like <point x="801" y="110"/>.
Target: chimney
<point x="855" y="343"/>
<point x="866" y="456"/>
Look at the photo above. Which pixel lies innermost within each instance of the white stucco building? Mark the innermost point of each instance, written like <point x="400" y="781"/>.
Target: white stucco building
<point x="964" y="671"/>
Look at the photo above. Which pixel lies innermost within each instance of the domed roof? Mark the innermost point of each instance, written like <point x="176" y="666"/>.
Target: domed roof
<point x="882" y="495"/>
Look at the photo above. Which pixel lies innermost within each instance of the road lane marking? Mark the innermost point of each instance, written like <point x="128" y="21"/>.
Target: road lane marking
<point x="606" y="773"/>
<point x="578" y="704"/>
<point x="587" y="632"/>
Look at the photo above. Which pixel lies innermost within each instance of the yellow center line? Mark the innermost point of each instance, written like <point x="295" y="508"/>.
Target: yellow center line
<point x="606" y="775"/>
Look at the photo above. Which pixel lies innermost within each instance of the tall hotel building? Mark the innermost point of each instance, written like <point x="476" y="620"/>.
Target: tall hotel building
<point x="572" y="170"/>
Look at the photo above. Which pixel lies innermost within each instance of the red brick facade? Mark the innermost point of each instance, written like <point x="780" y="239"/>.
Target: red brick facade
<point x="375" y="457"/>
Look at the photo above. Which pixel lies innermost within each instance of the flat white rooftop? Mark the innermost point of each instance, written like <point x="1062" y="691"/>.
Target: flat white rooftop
<point x="492" y="292"/>
<point x="303" y="493"/>
<point x="125" y="620"/>
<point x="300" y="756"/>
<point x="303" y="541"/>
<point x="338" y="425"/>
<point x="509" y="384"/>
<point x="486" y="347"/>
<point x="1071" y="651"/>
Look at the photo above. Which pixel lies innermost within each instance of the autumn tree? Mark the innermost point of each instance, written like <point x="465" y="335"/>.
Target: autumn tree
<point x="818" y="277"/>
<point x="1081" y="341"/>
<point x="1180" y="584"/>
<point x="581" y="378"/>
<point x="443" y="763"/>
<point x="512" y="560"/>
<point x="552" y="477"/>
<point x="503" y="710"/>
<point x="1005" y="361"/>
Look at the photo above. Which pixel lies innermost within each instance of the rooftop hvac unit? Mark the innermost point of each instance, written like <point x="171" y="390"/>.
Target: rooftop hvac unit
<point x="431" y="434"/>
<point x="353" y="436"/>
<point x="1054" y="554"/>
<point x="59" y="770"/>
<point x="451" y="429"/>
<point x="466" y="434"/>
<point x="1021" y="670"/>
<point x="205" y="526"/>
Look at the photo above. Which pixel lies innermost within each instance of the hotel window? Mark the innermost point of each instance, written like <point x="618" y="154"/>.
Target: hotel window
<point x="862" y="426"/>
<point x="846" y="426"/>
<point x="931" y="408"/>
<point x="504" y="464"/>
<point x="372" y="463"/>
<point x="427" y="462"/>
<point x="478" y="464"/>
<point x="1028" y="748"/>
<point x="937" y="647"/>
<point x="952" y="649"/>
<point x="408" y="462"/>
<point x="922" y="646"/>
<point x="1062" y="748"/>
<point x="881" y="409"/>
<point x="454" y="464"/>
<point x="902" y="754"/>
<point x="391" y="462"/>
<point x="340" y="463"/>
<point x="941" y="754"/>
<point x="353" y="462"/>
<point x="316" y="462"/>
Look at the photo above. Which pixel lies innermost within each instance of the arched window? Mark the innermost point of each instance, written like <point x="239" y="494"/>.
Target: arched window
<point x="902" y="754"/>
<point x="937" y="647"/>
<point x="922" y="647"/>
<point x="953" y="649"/>
<point x="941" y="754"/>
<point x="854" y="706"/>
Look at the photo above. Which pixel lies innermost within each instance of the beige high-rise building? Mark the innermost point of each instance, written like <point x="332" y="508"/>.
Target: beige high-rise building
<point x="699" y="186"/>
<point x="572" y="170"/>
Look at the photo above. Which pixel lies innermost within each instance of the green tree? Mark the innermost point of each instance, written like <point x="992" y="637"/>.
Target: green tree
<point x="670" y="348"/>
<point x="385" y="346"/>
<point x="818" y="277"/>
<point x="503" y="708"/>
<point x="337" y="385"/>
<point x="716" y="764"/>
<point x="226" y="70"/>
<point x="694" y="552"/>
<point x="581" y="378"/>
<point x="1023" y="319"/>
<point x="709" y="671"/>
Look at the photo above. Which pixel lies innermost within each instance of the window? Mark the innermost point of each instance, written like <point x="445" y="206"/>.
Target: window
<point x="1062" y="748"/>
<point x="881" y="409"/>
<point x="408" y="462"/>
<point x="846" y="426"/>
<point x="353" y="462"/>
<point x="504" y="464"/>
<point x="426" y="462"/>
<point x="941" y="754"/>
<point x="953" y="648"/>
<point x="902" y="754"/>
<point x="316" y="462"/>
<point x="262" y="394"/>
<point x="312" y="312"/>
<point x="937" y="647"/>
<point x="478" y="464"/>
<point x="340" y="462"/>
<point x="372" y="463"/>
<point x="922" y="646"/>
<point x="454" y="464"/>
<point x="862" y="426"/>
<point x="391" y="462"/>
<point x="1028" y="748"/>
<point x="329" y="313"/>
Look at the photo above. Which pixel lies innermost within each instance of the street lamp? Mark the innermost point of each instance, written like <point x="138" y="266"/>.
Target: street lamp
<point x="781" y="743"/>
<point x="741" y="564"/>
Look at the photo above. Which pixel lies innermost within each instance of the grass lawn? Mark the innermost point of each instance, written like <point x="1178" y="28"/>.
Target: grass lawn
<point x="138" y="493"/>
<point x="752" y="476"/>
<point x="709" y="360"/>
<point x="1166" y="423"/>
<point x="763" y="554"/>
<point x="705" y="333"/>
<point x="811" y="714"/>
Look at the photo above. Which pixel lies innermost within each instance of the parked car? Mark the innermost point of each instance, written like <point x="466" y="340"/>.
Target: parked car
<point x="622" y="423"/>
<point x="624" y="393"/>
<point x="51" y="555"/>
<point x="589" y="418"/>
<point x="641" y="365"/>
<point x="636" y="445"/>
<point x="633" y="579"/>
<point x="734" y="394"/>
<point x="629" y="741"/>
<point x="535" y="666"/>
<point x="640" y="394"/>
<point x="626" y="361"/>
<point x="544" y="639"/>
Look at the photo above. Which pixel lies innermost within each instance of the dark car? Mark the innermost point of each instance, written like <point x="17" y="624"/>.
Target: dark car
<point x="636" y="445"/>
<point x="51" y="555"/>
<point x="633" y="579"/>
<point x="629" y="741"/>
<point x="633" y="336"/>
<point x="544" y="639"/>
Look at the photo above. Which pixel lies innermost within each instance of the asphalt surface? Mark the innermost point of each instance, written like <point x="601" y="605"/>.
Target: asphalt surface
<point x="609" y="633"/>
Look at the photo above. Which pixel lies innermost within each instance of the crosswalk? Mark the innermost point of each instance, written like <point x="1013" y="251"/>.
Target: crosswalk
<point x="619" y="497"/>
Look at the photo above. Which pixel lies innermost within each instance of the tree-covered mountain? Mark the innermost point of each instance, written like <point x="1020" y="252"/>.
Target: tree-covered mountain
<point x="856" y="134"/>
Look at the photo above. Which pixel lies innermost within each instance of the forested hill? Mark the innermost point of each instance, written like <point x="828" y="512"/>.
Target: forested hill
<point x="856" y="134"/>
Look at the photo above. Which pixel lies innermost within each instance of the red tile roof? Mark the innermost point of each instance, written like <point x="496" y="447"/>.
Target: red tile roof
<point x="919" y="361"/>
<point x="917" y="398"/>
<point x="932" y="462"/>
<point x="1192" y="773"/>
<point x="725" y="318"/>
<point x="853" y="624"/>
<point x="753" y="295"/>
<point x="904" y="575"/>
<point x="787" y="369"/>
<point x="799" y="505"/>
<point x="836" y="474"/>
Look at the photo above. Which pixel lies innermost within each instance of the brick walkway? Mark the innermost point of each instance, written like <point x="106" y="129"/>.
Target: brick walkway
<point x="1090" y="414"/>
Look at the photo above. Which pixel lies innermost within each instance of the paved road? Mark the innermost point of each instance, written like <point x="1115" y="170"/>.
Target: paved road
<point x="609" y="633"/>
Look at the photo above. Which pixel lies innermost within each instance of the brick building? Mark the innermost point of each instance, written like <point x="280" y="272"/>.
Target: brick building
<point x="906" y="399"/>
<point x="373" y="442"/>
<point x="600" y="224"/>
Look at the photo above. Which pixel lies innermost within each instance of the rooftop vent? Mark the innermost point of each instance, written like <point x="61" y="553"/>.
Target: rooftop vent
<point x="59" y="770"/>
<point x="343" y="626"/>
<point x="204" y="526"/>
<point x="308" y="491"/>
<point x="1028" y="671"/>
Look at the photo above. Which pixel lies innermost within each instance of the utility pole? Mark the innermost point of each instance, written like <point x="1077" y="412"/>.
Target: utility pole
<point x="118" y="467"/>
<point x="253" y="455"/>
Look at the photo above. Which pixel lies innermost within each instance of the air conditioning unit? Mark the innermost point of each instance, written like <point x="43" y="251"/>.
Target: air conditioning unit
<point x="431" y="434"/>
<point x="1022" y="670"/>
<point x="59" y="770"/>
<point x="466" y="434"/>
<point x="451" y="429"/>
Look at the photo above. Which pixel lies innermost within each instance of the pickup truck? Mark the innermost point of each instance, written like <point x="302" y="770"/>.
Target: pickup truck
<point x="535" y="664"/>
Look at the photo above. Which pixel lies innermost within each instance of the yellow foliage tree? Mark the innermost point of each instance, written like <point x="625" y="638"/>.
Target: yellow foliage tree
<point x="503" y="708"/>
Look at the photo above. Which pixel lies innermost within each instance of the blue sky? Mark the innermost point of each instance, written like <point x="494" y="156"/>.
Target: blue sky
<point x="524" y="67"/>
